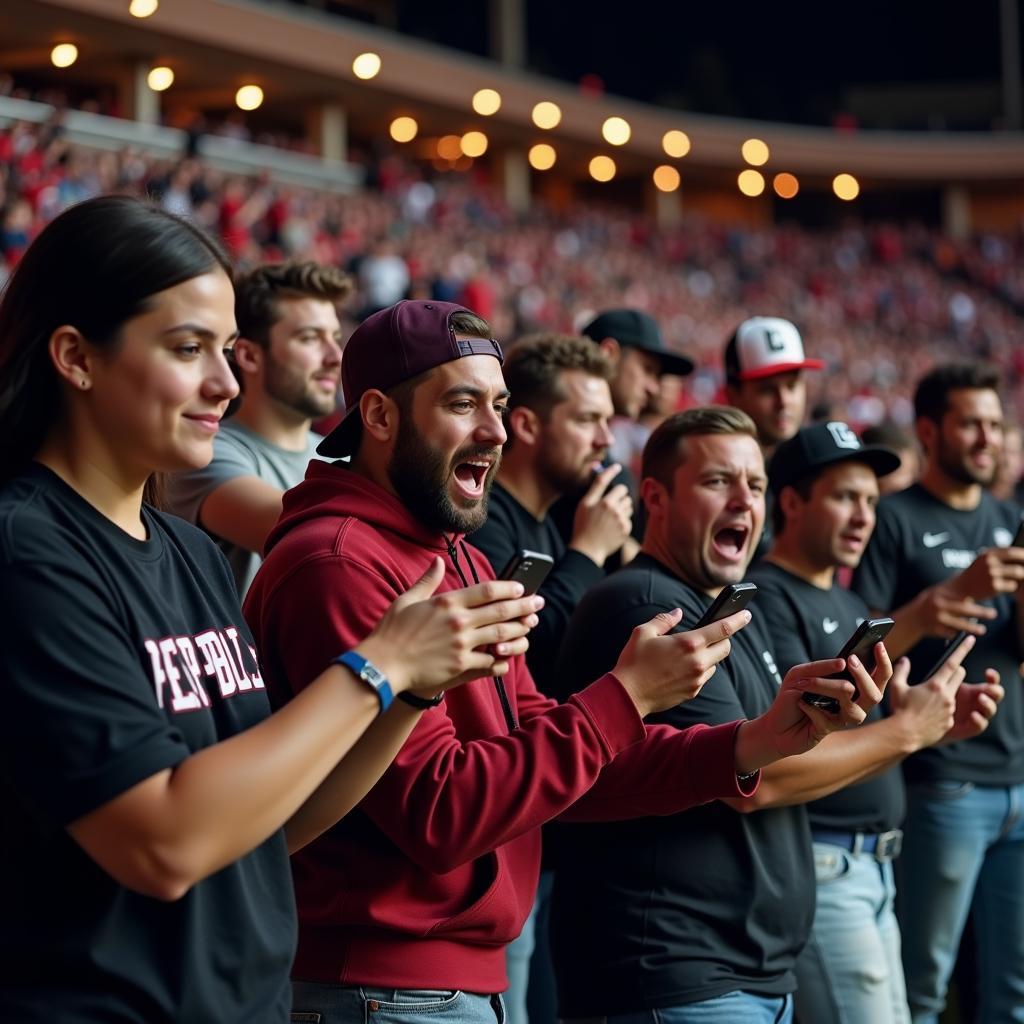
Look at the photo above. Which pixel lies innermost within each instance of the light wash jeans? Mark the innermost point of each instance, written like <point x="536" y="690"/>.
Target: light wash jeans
<point x="316" y="1003"/>
<point x="850" y="970"/>
<point x="963" y="849"/>
<point x="732" y="1008"/>
<point x="530" y="997"/>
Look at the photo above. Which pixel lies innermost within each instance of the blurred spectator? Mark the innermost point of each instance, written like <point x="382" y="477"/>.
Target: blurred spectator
<point x="902" y="441"/>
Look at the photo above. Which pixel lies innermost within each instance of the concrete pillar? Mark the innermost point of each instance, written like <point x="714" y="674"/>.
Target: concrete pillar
<point x="513" y="173"/>
<point x="667" y="207"/>
<point x="508" y="32"/>
<point x="327" y="126"/>
<point x="137" y="100"/>
<point x="956" y="211"/>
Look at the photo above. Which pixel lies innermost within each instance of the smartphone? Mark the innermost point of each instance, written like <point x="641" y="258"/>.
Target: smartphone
<point x="731" y="598"/>
<point x="1018" y="537"/>
<point x="947" y="653"/>
<point x="529" y="568"/>
<point x="862" y="643"/>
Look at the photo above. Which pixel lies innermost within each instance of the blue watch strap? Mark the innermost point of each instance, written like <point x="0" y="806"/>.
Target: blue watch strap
<point x="370" y="674"/>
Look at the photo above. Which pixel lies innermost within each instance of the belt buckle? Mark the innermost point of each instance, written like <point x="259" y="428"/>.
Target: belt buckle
<point x="889" y="845"/>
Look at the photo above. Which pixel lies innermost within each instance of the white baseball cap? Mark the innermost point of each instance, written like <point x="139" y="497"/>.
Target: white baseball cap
<point x="763" y="346"/>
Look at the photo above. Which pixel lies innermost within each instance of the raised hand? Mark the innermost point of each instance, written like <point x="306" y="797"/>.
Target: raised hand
<point x="659" y="671"/>
<point x="604" y="517"/>
<point x="426" y="643"/>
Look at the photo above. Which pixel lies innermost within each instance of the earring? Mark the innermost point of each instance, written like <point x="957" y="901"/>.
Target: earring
<point x="83" y="383"/>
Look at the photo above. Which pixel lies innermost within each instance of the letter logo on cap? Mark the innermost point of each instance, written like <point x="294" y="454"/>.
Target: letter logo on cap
<point x="843" y="436"/>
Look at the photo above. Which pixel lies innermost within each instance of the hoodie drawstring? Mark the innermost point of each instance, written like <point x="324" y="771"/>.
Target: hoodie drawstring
<point x="506" y="707"/>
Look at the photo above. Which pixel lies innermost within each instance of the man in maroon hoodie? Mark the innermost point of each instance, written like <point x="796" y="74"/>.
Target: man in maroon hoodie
<point x="405" y="906"/>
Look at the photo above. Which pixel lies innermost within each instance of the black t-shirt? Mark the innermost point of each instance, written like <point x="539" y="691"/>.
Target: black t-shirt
<point x="510" y="528"/>
<point x="664" y="911"/>
<point x="919" y="541"/>
<point x="807" y="623"/>
<point x="121" y="658"/>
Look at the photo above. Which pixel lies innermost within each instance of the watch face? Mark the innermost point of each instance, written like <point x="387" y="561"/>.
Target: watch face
<point x="372" y="675"/>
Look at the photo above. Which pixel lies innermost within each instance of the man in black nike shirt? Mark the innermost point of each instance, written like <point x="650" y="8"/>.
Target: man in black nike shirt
<point x="939" y="551"/>
<point x="826" y="487"/>
<point x="696" y="916"/>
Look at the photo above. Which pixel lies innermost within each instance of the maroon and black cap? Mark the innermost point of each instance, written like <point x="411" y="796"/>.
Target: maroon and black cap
<point x="392" y="346"/>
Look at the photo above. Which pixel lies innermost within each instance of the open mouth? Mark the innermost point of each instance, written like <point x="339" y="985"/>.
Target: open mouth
<point x="730" y="542"/>
<point x="471" y="475"/>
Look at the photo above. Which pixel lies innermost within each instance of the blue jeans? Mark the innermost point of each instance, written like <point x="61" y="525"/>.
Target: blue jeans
<point x="963" y="850"/>
<point x="316" y="1003"/>
<point x="732" y="1008"/>
<point x="530" y="998"/>
<point x="850" y="971"/>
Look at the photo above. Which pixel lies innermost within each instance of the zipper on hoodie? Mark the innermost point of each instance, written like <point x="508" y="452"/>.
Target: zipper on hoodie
<point x="506" y="707"/>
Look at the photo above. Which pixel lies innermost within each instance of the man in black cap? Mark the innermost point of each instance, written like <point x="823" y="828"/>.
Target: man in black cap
<point x="633" y="343"/>
<point x="826" y="488"/>
<point x="639" y="356"/>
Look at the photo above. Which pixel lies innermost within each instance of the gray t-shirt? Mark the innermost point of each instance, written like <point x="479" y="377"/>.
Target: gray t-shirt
<point x="237" y="451"/>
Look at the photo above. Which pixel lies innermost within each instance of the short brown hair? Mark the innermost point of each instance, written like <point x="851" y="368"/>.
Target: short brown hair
<point x="931" y="399"/>
<point x="663" y="451"/>
<point x="535" y="363"/>
<point x="258" y="292"/>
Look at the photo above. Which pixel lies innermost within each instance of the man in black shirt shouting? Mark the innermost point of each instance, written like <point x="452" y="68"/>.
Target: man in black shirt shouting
<point x="826" y="490"/>
<point x="940" y="549"/>
<point x="696" y="916"/>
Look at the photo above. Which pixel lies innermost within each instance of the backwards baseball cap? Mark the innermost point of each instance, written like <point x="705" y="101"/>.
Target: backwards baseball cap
<point x="637" y="330"/>
<point x="821" y="445"/>
<point x="392" y="346"/>
<point x="763" y="346"/>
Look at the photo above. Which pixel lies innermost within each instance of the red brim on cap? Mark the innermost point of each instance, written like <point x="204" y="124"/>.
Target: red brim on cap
<point x="776" y="368"/>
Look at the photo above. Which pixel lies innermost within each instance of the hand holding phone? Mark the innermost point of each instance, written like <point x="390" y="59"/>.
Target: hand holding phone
<point x="862" y="644"/>
<point x="529" y="568"/>
<point x="732" y="598"/>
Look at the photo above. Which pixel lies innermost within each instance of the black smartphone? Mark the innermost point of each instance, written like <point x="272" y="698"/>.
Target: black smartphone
<point x="1018" y="537"/>
<point x="529" y="568"/>
<point x="862" y="643"/>
<point x="733" y="597"/>
<point x="947" y="653"/>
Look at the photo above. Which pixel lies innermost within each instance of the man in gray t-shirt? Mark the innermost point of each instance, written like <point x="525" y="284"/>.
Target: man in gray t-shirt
<point x="288" y="359"/>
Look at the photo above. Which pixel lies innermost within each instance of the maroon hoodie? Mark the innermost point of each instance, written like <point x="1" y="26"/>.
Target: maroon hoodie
<point x="424" y="884"/>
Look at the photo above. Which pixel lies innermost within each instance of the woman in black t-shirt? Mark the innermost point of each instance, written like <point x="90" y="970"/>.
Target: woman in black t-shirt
<point x="150" y="796"/>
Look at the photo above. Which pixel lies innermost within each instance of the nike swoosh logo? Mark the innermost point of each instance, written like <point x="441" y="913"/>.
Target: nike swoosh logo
<point x="933" y="540"/>
<point x="829" y="625"/>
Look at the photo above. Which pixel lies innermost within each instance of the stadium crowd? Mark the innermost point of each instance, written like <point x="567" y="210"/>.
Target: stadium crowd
<point x="882" y="302"/>
<point x="294" y="721"/>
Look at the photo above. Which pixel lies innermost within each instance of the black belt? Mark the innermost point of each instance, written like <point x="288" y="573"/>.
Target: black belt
<point x="884" y="846"/>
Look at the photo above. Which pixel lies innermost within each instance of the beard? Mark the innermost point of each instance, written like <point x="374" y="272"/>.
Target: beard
<point x="564" y="479"/>
<point x="419" y="474"/>
<point x="295" y="390"/>
<point x="959" y="470"/>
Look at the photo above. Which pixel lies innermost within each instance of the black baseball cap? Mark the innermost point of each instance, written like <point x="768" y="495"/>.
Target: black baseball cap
<point x="821" y="445"/>
<point x="637" y="330"/>
<point x="392" y="346"/>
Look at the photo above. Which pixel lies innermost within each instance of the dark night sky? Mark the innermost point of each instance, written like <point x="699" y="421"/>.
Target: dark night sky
<point x="788" y="62"/>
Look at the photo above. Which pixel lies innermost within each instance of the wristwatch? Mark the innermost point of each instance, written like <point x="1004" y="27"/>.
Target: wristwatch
<point x="420" y="703"/>
<point x="370" y="674"/>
